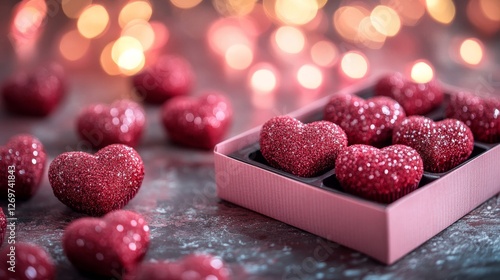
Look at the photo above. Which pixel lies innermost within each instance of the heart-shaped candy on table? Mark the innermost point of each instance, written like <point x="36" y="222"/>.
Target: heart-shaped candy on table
<point x="442" y="145"/>
<point x="480" y="114"/>
<point x="34" y="94"/>
<point x="122" y="122"/>
<point x="192" y="267"/>
<point x="22" y="162"/>
<point x="303" y="150"/>
<point x="415" y="98"/>
<point x="365" y="121"/>
<point x="97" y="184"/>
<point x="382" y="175"/>
<point x="169" y="76"/>
<point x="3" y="226"/>
<point x="197" y="123"/>
<point x="110" y="246"/>
<point x="29" y="262"/>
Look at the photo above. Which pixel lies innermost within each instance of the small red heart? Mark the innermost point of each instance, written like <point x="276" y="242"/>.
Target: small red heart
<point x="304" y="150"/>
<point x="3" y="226"/>
<point x="381" y="175"/>
<point x="97" y="184"/>
<point x="197" y="123"/>
<point x="109" y="246"/>
<point x="34" y="94"/>
<point x="122" y="122"/>
<point x="368" y="121"/>
<point x="22" y="162"/>
<point x="442" y="145"/>
<point x="481" y="114"/>
<point x="169" y="76"/>
<point x="415" y="98"/>
<point x="30" y="262"/>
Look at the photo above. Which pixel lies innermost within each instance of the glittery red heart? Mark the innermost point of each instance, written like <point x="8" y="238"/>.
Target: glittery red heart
<point x="169" y="76"/>
<point x="97" y="184"/>
<point x="22" y="162"/>
<point x="365" y="121"/>
<point x="122" y="122"/>
<point x="34" y="94"/>
<point x="381" y="175"/>
<point x="301" y="149"/>
<point x="415" y="98"/>
<point x="3" y="226"/>
<point x="197" y="123"/>
<point x="481" y="114"/>
<point x="442" y="145"/>
<point x="109" y="246"/>
<point x="31" y="262"/>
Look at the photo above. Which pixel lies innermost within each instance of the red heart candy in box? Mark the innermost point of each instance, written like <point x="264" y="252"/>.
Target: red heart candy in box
<point x="97" y="184"/>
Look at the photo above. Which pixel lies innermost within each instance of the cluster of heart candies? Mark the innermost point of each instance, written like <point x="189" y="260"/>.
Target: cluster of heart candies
<point x="380" y="147"/>
<point x="102" y="183"/>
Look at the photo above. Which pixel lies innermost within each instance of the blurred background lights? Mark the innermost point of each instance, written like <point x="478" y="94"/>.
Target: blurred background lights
<point x="234" y="7"/>
<point x="442" y="11"/>
<point x="409" y="11"/>
<point x="93" y="21"/>
<point x="385" y="20"/>
<point x="354" y="65"/>
<point x="491" y="9"/>
<point x="135" y="10"/>
<point x="421" y="72"/>
<point x="310" y="76"/>
<point x="290" y="39"/>
<point x="263" y="79"/>
<point x="142" y="31"/>
<point x="28" y="18"/>
<point x="471" y="51"/>
<point x="324" y="53"/>
<point x="73" y="46"/>
<point x="131" y="61"/>
<point x="185" y="4"/>
<point x="72" y="8"/>
<point x="122" y="45"/>
<point x="107" y="63"/>
<point x="225" y="33"/>
<point x="296" y="12"/>
<point x="239" y="56"/>
<point x="347" y="19"/>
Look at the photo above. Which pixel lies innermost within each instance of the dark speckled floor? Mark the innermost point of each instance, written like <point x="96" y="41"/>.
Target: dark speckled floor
<point x="178" y="194"/>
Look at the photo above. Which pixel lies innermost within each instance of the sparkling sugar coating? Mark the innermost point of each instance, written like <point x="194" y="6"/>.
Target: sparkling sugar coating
<point x="368" y="121"/>
<point x="383" y="175"/>
<point x="169" y="76"/>
<point x="101" y="125"/>
<point x="481" y="114"/>
<point x="197" y="123"/>
<point x="442" y="145"/>
<point x="3" y="226"/>
<point x="110" y="246"/>
<point x="31" y="263"/>
<point x="415" y="98"/>
<point x="27" y="155"/>
<point x="97" y="184"/>
<point x="34" y="94"/>
<point x="191" y="267"/>
<point x="303" y="150"/>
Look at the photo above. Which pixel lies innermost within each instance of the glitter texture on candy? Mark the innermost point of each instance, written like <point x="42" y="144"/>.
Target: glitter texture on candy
<point x="108" y="246"/>
<point x="122" y="122"/>
<point x="169" y="76"/>
<point x="381" y="175"/>
<point x="3" y="226"/>
<point x="32" y="263"/>
<point x="27" y="154"/>
<point x="481" y="114"/>
<point x="365" y="121"/>
<point x="97" y="184"/>
<point x="304" y="150"/>
<point x="415" y="98"/>
<point x="442" y="145"/>
<point x="197" y="122"/>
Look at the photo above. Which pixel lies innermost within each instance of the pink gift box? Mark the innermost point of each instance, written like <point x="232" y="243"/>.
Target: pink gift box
<point x="385" y="232"/>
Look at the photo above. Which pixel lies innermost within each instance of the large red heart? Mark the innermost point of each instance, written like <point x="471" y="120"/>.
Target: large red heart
<point x="26" y="262"/>
<point x="301" y="149"/>
<point x="122" y="122"/>
<point x="415" y="98"/>
<point x="22" y="162"/>
<point x="365" y="121"/>
<point x="442" y="145"/>
<point x="169" y="76"/>
<point x="481" y="114"/>
<point x="97" y="184"/>
<point x="34" y="94"/>
<point x="110" y="246"/>
<point x="381" y="175"/>
<point x="197" y="123"/>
